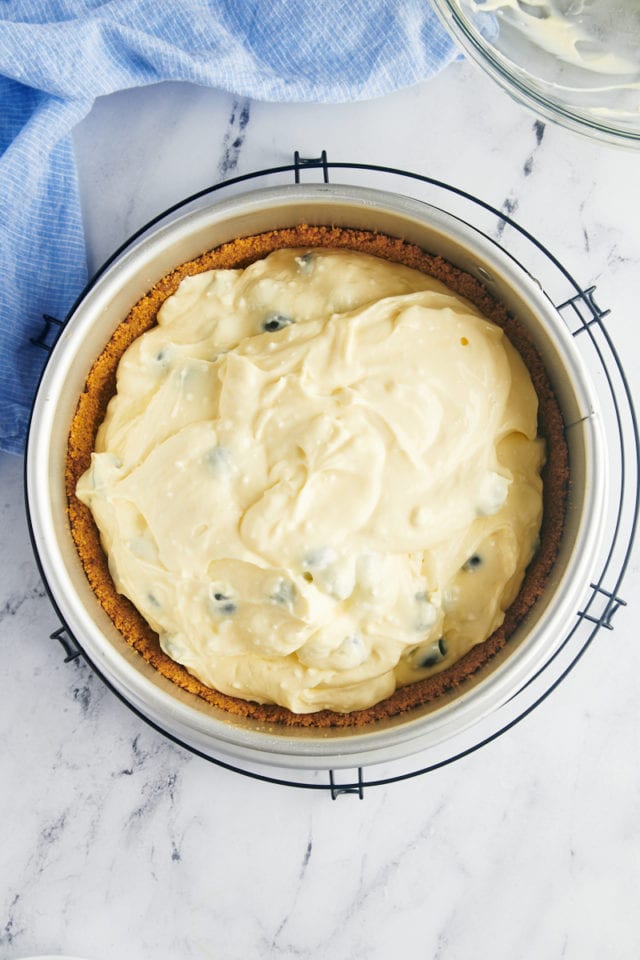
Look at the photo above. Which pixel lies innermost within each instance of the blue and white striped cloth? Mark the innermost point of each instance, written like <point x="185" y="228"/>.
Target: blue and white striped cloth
<point x="57" y="56"/>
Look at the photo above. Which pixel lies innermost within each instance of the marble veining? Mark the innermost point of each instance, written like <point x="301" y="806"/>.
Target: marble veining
<point x="510" y="204"/>
<point x="538" y="128"/>
<point x="117" y="843"/>
<point x="234" y="138"/>
<point x="12" y="603"/>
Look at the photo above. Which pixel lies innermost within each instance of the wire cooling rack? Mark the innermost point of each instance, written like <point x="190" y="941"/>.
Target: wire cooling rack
<point x="585" y="319"/>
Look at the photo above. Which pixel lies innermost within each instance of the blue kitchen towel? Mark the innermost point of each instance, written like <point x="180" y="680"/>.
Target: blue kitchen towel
<point x="57" y="56"/>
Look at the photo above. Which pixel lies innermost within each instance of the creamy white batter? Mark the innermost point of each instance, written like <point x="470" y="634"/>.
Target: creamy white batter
<point x="596" y="35"/>
<point x="319" y="478"/>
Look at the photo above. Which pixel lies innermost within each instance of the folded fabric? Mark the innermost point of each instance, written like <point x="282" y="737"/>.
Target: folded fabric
<point x="57" y="56"/>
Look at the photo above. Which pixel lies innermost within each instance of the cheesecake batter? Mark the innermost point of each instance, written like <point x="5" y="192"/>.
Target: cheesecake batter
<point x="319" y="478"/>
<point x="598" y="36"/>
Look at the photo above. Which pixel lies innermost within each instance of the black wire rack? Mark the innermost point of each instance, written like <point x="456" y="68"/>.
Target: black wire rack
<point x="585" y="320"/>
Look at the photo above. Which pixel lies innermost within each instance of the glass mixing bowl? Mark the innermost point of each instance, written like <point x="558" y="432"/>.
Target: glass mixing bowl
<point x="576" y="62"/>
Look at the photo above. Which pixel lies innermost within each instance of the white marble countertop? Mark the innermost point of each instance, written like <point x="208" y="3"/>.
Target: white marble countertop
<point x="116" y="843"/>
